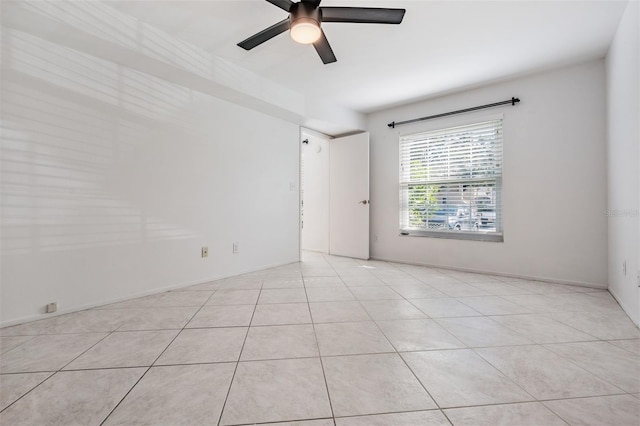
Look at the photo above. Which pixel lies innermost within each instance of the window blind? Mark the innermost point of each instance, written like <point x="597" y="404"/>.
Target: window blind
<point x="451" y="182"/>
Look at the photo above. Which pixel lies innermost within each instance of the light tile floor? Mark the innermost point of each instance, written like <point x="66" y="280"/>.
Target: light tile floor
<point x="331" y="341"/>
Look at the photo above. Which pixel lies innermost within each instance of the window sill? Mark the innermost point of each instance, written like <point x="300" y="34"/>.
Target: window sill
<point x="454" y="235"/>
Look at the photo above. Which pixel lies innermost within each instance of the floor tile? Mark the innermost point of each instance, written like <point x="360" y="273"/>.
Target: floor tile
<point x="234" y="297"/>
<point x="201" y="345"/>
<point x="546" y="288"/>
<point x="94" y="321"/>
<point x="459" y="377"/>
<point x="471" y="277"/>
<point x="612" y="325"/>
<point x="403" y="281"/>
<point x="138" y="302"/>
<point x="500" y="288"/>
<point x="610" y="363"/>
<point x="282" y="390"/>
<point x="422" y="291"/>
<point x="318" y="272"/>
<point x="284" y="295"/>
<point x="73" y="398"/>
<point x="362" y="281"/>
<point x="212" y="285"/>
<point x="157" y="318"/>
<point x="10" y="342"/>
<point x="34" y="328"/>
<point x="281" y="313"/>
<point x="320" y="422"/>
<point x="338" y="312"/>
<point x="418" y="335"/>
<point x="348" y="338"/>
<point x="459" y="289"/>
<point x="632" y="345"/>
<point x="372" y="384"/>
<point x="521" y="414"/>
<point x="374" y="293"/>
<point x="557" y="342"/>
<point x="280" y="341"/>
<point x="482" y="331"/>
<point x="282" y="283"/>
<point x="494" y="305"/>
<point x="431" y="418"/>
<point x="544" y="374"/>
<point x="13" y="386"/>
<point x="125" y="349"/>
<point x="392" y="309"/>
<point x="240" y="284"/>
<point x="444" y="307"/>
<point x="329" y="294"/>
<point x="323" y="282"/>
<point x="222" y="316"/>
<point x="591" y="302"/>
<point x="182" y="298"/>
<point x="543" y="303"/>
<point x="618" y="410"/>
<point x="541" y="328"/>
<point x="47" y="352"/>
<point x="176" y="395"/>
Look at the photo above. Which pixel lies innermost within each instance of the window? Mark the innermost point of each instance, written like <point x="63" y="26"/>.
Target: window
<point x="451" y="182"/>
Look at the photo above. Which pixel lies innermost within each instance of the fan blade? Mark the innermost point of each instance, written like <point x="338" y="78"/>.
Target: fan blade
<point x="265" y="35"/>
<point x="362" y="15"/>
<point x="315" y="3"/>
<point x="282" y="4"/>
<point x="324" y="49"/>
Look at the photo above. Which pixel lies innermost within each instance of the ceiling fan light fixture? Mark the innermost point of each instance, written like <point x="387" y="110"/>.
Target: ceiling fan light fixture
<point x="305" y="30"/>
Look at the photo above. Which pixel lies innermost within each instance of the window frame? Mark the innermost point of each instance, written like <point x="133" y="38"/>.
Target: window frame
<point x="497" y="236"/>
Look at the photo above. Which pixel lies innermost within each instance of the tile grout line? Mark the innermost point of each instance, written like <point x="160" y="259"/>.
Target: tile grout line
<point x="315" y="335"/>
<point x="233" y="376"/>
<point x="313" y="324"/>
<point x="58" y="370"/>
<point x="156" y="359"/>
<point x="396" y="351"/>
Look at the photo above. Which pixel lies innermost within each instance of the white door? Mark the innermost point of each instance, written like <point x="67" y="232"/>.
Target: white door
<point x="349" y="196"/>
<point x="314" y="182"/>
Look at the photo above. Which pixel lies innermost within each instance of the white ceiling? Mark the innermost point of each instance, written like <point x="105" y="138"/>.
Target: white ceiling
<point x="441" y="46"/>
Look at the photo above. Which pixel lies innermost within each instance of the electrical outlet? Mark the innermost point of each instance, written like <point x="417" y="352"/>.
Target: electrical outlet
<point x="624" y="267"/>
<point x="236" y="247"/>
<point x="52" y="307"/>
<point x="204" y="252"/>
<point x="375" y="238"/>
<point x="638" y="279"/>
<point x="292" y="186"/>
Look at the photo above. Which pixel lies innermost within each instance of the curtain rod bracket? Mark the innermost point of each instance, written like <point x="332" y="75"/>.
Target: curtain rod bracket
<point x="513" y="101"/>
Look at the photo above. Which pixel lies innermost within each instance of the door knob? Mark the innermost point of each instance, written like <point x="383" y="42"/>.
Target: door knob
<point x="363" y="202"/>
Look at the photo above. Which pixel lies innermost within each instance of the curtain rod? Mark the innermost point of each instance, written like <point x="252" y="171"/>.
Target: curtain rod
<point x="511" y="101"/>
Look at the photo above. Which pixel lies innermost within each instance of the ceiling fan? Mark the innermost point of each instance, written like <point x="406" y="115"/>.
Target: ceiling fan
<point x="306" y="16"/>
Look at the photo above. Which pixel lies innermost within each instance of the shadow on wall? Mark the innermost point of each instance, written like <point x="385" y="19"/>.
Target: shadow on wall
<point x="71" y="125"/>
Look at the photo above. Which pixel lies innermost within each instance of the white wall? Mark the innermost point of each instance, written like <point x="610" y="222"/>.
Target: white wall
<point x="112" y="180"/>
<point x="623" y="157"/>
<point x="315" y="231"/>
<point x="554" y="179"/>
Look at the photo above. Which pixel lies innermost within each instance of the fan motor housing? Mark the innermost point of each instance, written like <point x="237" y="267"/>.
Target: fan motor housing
<point x="304" y="12"/>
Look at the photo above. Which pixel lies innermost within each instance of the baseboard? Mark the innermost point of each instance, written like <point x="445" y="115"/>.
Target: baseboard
<point x="500" y="274"/>
<point x="42" y="316"/>
<point x="624" y="308"/>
